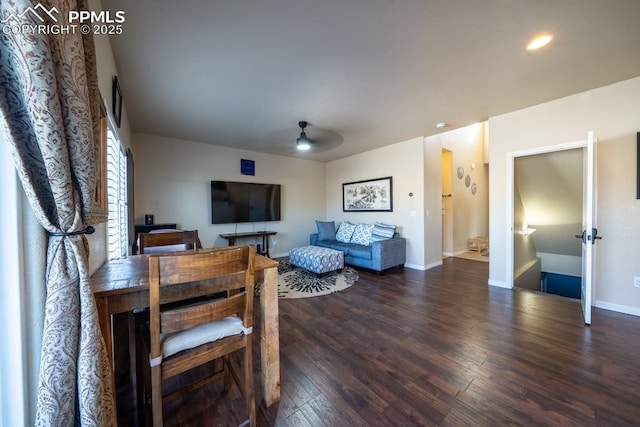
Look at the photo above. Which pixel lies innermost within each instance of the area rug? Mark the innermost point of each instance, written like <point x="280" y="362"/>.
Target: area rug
<point x="296" y="282"/>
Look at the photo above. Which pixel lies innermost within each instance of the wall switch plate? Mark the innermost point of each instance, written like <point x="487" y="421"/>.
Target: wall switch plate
<point x="636" y="282"/>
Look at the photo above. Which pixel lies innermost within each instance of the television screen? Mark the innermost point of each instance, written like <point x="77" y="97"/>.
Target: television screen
<point x="233" y="202"/>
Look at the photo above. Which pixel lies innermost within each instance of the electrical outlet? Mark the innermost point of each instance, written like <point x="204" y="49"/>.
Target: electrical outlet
<point x="636" y="282"/>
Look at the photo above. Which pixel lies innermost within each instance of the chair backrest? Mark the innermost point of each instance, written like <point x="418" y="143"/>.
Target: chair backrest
<point x="173" y="241"/>
<point x="221" y="269"/>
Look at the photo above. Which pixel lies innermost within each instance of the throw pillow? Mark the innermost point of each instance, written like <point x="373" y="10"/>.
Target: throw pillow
<point x="326" y="230"/>
<point x="382" y="231"/>
<point x="345" y="232"/>
<point x="362" y="234"/>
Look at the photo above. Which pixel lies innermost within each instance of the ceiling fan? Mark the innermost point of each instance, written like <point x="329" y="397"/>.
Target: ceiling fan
<point x="303" y="143"/>
<point x="309" y="139"/>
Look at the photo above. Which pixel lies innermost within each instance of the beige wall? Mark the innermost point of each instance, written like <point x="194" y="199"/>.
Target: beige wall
<point x="524" y="249"/>
<point x="404" y="162"/>
<point x="172" y="182"/>
<point x="612" y="113"/>
<point x="469" y="212"/>
<point x="106" y="70"/>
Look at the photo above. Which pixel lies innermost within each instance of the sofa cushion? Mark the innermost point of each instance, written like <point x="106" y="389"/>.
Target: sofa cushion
<point x="345" y="232"/>
<point x="362" y="234"/>
<point x="382" y="231"/>
<point x="326" y="230"/>
<point x="359" y="251"/>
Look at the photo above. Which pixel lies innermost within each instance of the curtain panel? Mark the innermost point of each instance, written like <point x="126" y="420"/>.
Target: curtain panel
<point x="50" y="101"/>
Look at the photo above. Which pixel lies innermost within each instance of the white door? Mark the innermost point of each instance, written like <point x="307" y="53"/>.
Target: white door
<point x="589" y="228"/>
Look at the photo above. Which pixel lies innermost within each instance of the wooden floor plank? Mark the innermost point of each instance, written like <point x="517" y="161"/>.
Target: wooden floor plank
<point x="437" y="347"/>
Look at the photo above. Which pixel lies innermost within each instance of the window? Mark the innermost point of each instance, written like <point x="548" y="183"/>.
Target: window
<point x="117" y="196"/>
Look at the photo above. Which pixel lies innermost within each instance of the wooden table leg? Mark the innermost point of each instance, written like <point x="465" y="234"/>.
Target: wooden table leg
<point x="270" y="337"/>
<point x="104" y="319"/>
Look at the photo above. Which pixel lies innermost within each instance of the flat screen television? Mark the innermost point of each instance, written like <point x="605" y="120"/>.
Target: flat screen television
<point x="233" y="202"/>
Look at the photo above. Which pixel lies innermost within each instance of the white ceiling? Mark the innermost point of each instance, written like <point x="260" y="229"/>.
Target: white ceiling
<point x="242" y="73"/>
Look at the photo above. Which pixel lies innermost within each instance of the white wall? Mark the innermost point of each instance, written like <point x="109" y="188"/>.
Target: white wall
<point x="404" y="162"/>
<point x="612" y="112"/>
<point x="172" y="182"/>
<point x="432" y="181"/>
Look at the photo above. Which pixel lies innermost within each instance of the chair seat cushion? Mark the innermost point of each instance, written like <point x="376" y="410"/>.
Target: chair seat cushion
<point x="190" y="338"/>
<point x="165" y="249"/>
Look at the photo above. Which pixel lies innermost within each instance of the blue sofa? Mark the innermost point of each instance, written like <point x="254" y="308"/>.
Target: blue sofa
<point x="379" y="256"/>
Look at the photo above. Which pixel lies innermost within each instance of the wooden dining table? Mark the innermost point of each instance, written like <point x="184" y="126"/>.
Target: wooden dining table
<point x="122" y="285"/>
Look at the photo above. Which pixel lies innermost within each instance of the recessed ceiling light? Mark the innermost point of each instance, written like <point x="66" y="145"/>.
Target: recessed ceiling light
<point x="539" y="42"/>
<point x="441" y="125"/>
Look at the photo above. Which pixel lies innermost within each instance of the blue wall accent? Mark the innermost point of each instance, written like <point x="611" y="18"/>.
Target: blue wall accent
<point x="561" y="284"/>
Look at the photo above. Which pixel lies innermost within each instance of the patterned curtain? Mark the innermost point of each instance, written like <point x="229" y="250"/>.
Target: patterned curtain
<point x="50" y="101"/>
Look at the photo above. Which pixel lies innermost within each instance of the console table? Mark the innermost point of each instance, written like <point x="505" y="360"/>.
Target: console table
<point x="145" y="228"/>
<point x="231" y="237"/>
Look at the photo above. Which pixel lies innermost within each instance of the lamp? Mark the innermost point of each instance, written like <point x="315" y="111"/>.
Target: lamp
<point x="528" y="231"/>
<point x="303" y="143"/>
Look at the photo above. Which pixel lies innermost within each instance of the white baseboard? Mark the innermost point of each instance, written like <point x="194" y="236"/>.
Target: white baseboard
<point x="499" y="284"/>
<point x="415" y="266"/>
<point x="634" y="311"/>
<point x="423" y="267"/>
<point x="433" y="264"/>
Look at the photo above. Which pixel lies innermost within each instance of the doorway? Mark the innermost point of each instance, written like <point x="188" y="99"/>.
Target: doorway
<point x="588" y="235"/>
<point x="447" y="203"/>
<point x="547" y="216"/>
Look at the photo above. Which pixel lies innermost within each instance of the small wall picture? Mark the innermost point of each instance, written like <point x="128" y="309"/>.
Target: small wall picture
<point x="117" y="101"/>
<point x="373" y="195"/>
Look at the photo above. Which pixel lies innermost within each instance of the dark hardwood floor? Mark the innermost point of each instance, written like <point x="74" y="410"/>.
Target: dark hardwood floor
<point x="441" y="347"/>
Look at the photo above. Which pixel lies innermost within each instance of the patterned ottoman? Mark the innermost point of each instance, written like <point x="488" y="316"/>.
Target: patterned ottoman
<point x="317" y="259"/>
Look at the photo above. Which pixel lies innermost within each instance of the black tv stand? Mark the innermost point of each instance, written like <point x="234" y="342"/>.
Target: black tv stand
<point x="231" y="237"/>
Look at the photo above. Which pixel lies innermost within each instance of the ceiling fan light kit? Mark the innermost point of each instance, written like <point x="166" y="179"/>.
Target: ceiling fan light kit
<point x="303" y="143"/>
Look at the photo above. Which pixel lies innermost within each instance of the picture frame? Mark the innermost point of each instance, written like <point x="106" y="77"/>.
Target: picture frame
<point x="99" y="212"/>
<point x="371" y="195"/>
<point x="117" y="101"/>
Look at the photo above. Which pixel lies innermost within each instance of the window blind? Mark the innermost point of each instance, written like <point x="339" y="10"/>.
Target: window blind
<point x="117" y="197"/>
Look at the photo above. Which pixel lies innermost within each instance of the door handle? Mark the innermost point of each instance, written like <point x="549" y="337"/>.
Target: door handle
<point x="582" y="236"/>
<point x="594" y="236"/>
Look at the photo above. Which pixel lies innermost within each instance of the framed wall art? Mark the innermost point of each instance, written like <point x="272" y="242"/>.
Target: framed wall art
<point x="117" y="101"/>
<point x="100" y="213"/>
<point x="373" y="195"/>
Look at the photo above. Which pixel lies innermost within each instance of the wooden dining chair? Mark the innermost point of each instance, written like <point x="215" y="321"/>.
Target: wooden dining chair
<point x="155" y="242"/>
<point x="169" y="241"/>
<point x="182" y="337"/>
